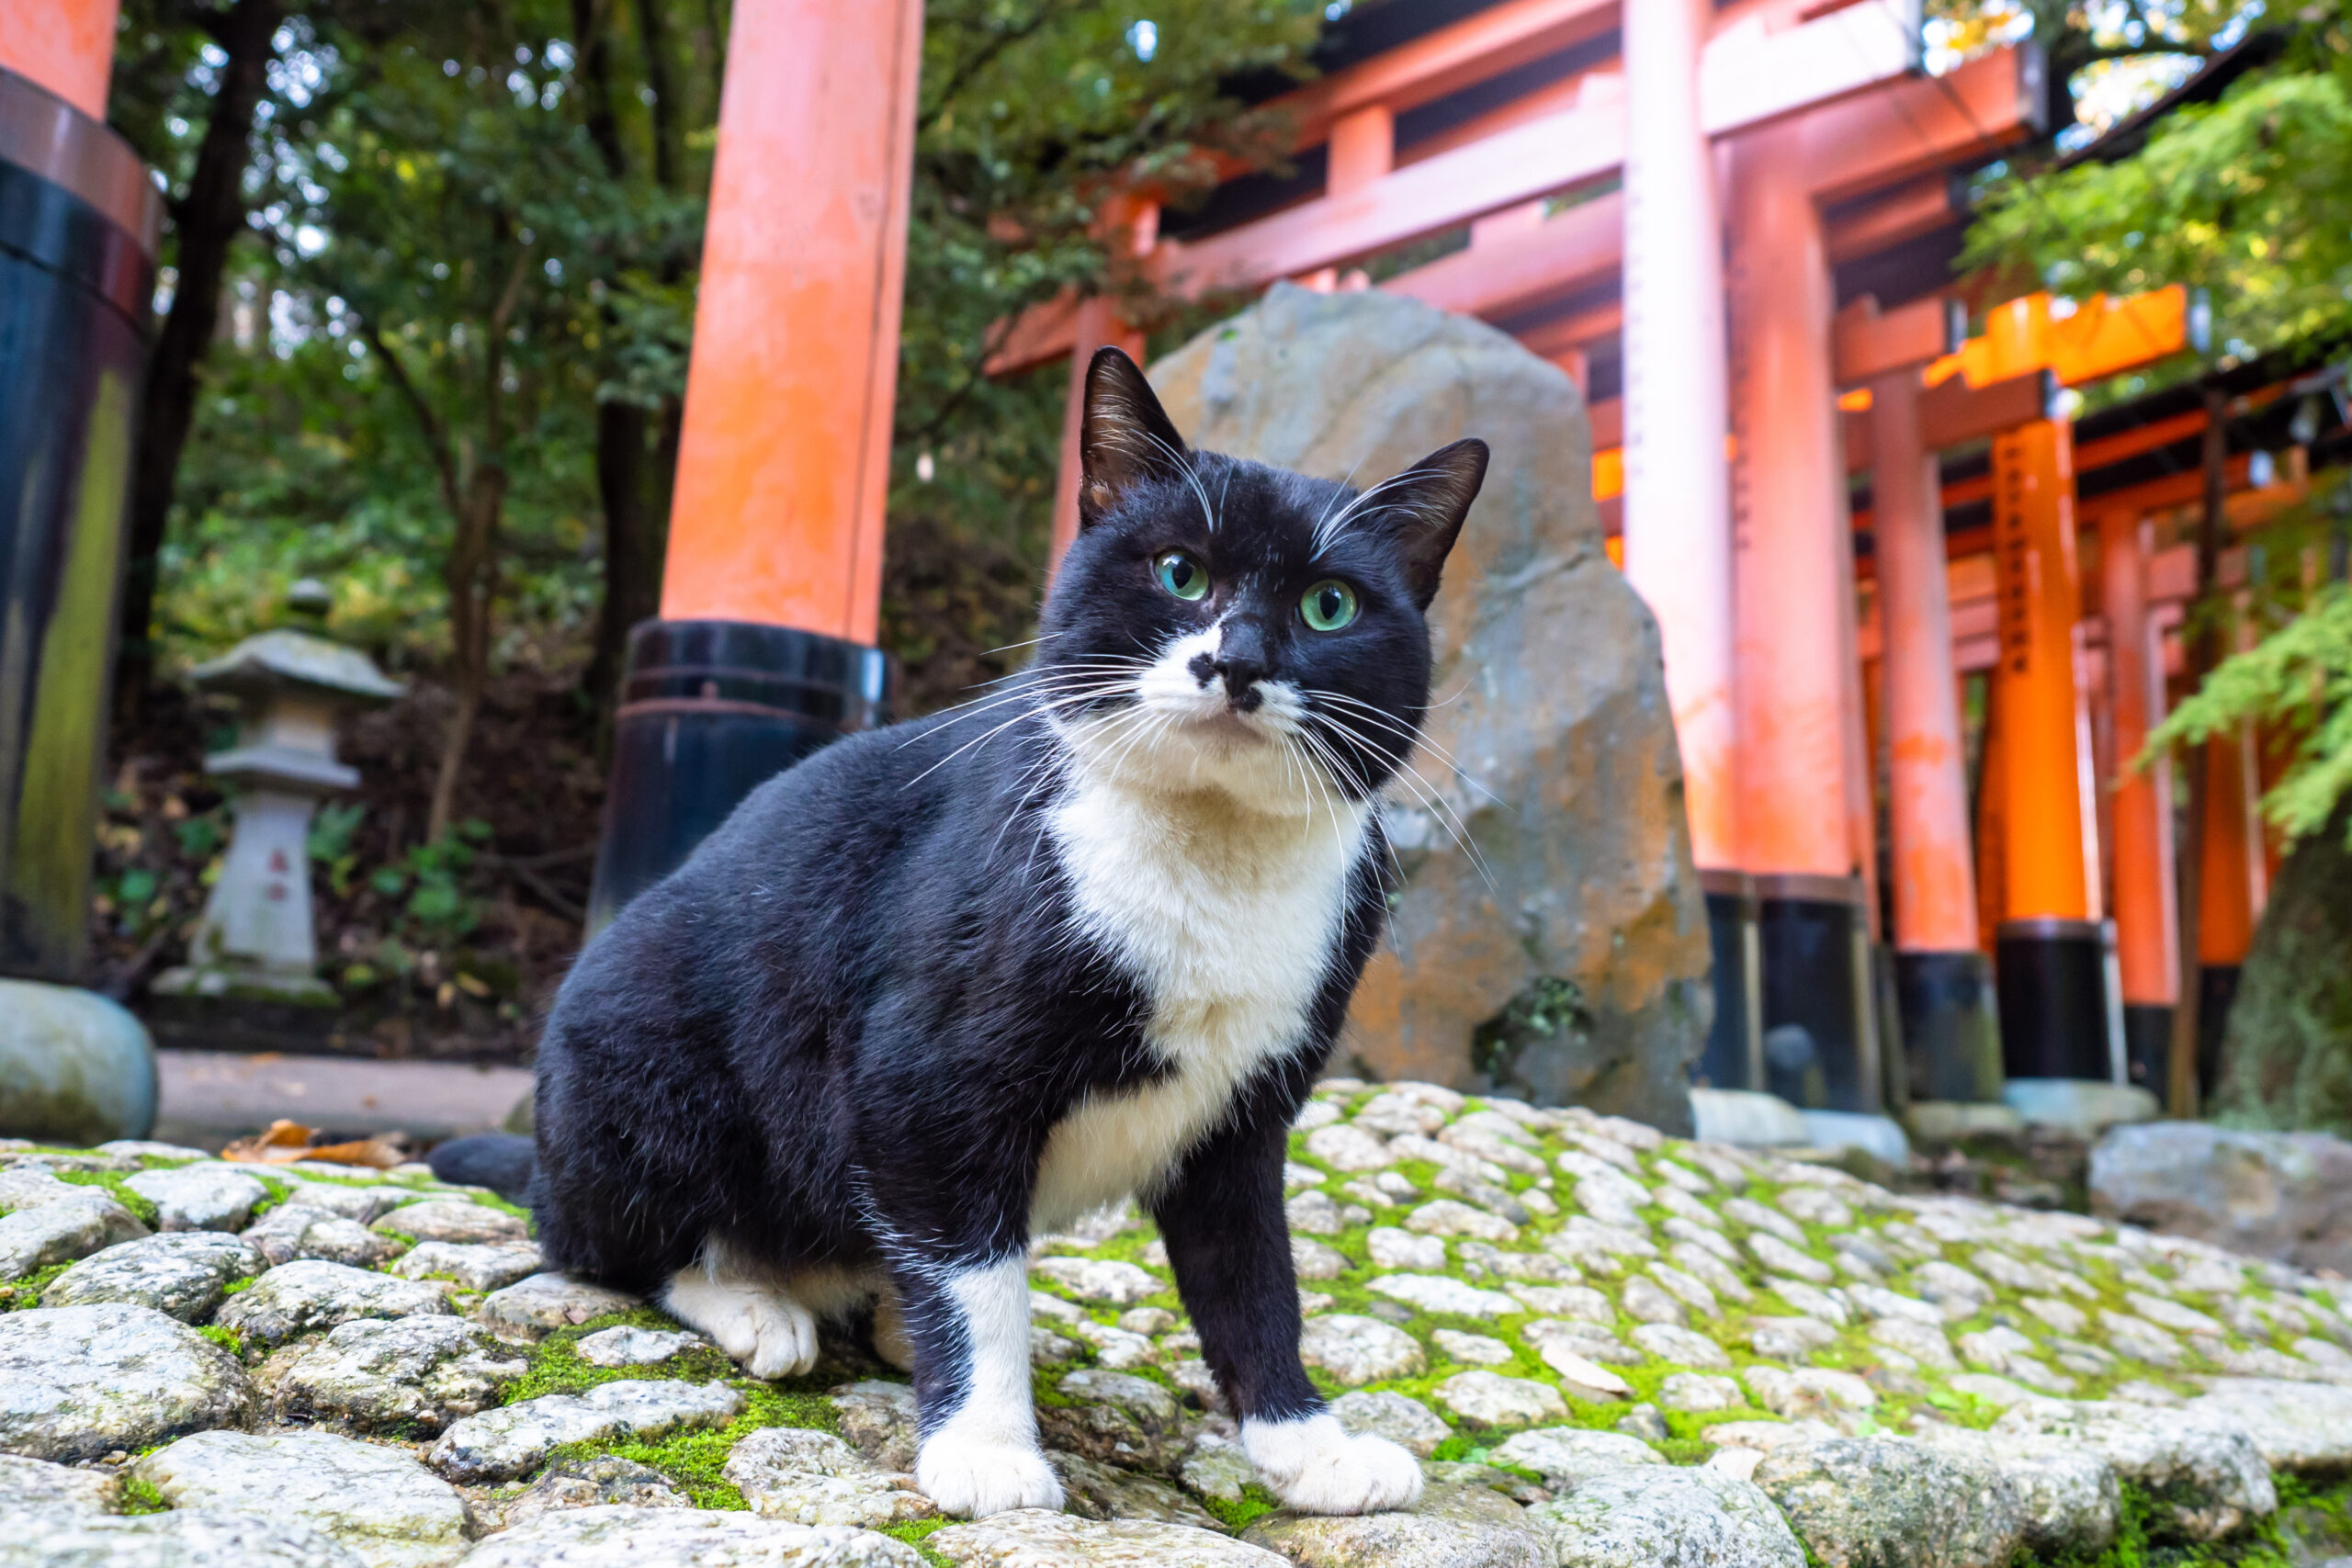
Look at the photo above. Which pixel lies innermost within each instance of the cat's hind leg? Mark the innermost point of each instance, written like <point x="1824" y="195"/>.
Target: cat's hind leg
<point x="750" y="1313"/>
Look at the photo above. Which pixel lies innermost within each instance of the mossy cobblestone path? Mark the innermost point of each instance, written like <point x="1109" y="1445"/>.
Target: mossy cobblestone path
<point x="1606" y="1346"/>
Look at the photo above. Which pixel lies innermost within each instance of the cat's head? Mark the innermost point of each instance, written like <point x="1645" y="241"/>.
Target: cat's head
<point x="1220" y="623"/>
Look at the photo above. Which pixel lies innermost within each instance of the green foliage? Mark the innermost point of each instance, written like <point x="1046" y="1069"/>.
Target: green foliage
<point x="2297" y="682"/>
<point x="430" y="885"/>
<point x="2250" y="198"/>
<point x="229" y="1339"/>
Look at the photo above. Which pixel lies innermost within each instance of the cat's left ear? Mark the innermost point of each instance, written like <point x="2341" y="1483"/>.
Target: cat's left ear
<point x="1422" y="510"/>
<point x="1125" y="438"/>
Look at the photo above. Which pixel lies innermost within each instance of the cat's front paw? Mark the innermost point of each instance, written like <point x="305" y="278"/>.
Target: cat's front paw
<point x="762" y="1328"/>
<point x="1313" y="1466"/>
<point x="974" y="1477"/>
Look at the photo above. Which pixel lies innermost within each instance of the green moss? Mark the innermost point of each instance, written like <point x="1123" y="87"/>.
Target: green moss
<point x="239" y="1287"/>
<point x="695" y="1461"/>
<point x="19" y="1295"/>
<point x="112" y="1183"/>
<point x="1237" y="1515"/>
<point x="229" y="1339"/>
<point x="140" y="1496"/>
<point x="915" y="1533"/>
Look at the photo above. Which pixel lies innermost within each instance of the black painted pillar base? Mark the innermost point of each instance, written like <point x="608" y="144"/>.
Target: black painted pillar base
<point x="1820" y="1018"/>
<point x="2217" y="992"/>
<point x="2054" y="1017"/>
<point x="709" y="711"/>
<point x="1735" y="1055"/>
<point x="2147" y="1044"/>
<point x="1951" y="1026"/>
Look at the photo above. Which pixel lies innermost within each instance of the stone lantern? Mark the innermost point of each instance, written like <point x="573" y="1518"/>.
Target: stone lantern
<point x="255" y="941"/>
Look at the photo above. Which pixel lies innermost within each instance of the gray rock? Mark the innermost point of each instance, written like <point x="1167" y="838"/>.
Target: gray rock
<point x="1680" y="1346"/>
<point x="295" y="1232"/>
<point x="38" y="1485"/>
<point x="2070" y="1496"/>
<point x="617" y="1537"/>
<point x="1032" y="1538"/>
<point x="1599" y="985"/>
<point x="1789" y="1338"/>
<point x="1215" y="1466"/>
<point x="2296" y="1425"/>
<point x="1564" y="1456"/>
<point x="1121" y="1420"/>
<point x="1450" y="1526"/>
<point x="1491" y="1399"/>
<point x="2283" y="1195"/>
<point x="445" y="1219"/>
<point x="2208" y="1470"/>
<point x="1101" y="1279"/>
<point x="1697" y="1391"/>
<point x="603" y="1480"/>
<point x="360" y="1203"/>
<point x="1405" y="1421"/>
<point x="1357" y="1351"/>
<point x="199" y="1197"/>
<point x="814" y="1478"/>
<point x="312" y="1294"/>
<point x="546" y="1301"/>
<point x="879" y="1420"/>
<point x="1668" y="1517"/>
<point x="385" y="1374"/>
<point x="76" y="1224"/>
<point x="183" y="1274"/>
<point x="475" y="1266"/>
<point x="180" y="1538"/>
<point x="386" y="1510"/>
<point x="1439" y="1293"/>
<point x="628" y="1347"/>
<point x="82" y="1382"/>
<point x="1881" y="1502"/>
<point x="498" y="1445"/>
<point x="1094" y="1491"/>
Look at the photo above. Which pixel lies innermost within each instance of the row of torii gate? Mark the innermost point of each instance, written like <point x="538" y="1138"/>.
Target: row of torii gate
<point x="1741" y="153"/>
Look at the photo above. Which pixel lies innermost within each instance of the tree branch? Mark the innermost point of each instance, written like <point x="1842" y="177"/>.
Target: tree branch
<point x="435" y="440"/>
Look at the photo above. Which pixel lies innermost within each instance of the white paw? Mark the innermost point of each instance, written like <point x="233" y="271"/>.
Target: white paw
<point x="1314" y="1466"/>
<point x="765" y="1331"/>
<point x="973" y="1477"/>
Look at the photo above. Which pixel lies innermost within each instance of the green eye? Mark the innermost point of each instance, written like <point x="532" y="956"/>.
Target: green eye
<point x="1182" y="575"/>
<point x="1328" y="605"/>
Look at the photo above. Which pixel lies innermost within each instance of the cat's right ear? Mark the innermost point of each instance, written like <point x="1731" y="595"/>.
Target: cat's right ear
<point x="1124" y="439"/>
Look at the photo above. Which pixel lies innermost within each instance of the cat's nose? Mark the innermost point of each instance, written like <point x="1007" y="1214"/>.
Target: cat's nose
<point x="1243" y="660"/>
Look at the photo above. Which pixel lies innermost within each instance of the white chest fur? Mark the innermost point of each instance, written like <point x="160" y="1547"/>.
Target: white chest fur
<point x="1228" y="919"/>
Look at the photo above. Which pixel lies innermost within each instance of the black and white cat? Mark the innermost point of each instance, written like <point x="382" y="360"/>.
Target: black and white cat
<point x="948" y="986"/>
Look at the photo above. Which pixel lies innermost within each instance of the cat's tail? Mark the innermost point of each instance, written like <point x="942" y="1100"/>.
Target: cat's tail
<point x="499" y="1161"/>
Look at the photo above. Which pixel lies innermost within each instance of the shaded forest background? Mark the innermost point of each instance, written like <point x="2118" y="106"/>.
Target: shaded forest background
<point x="422" y="331"/>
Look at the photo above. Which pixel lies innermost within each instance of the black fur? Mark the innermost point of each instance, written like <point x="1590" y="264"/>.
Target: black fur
<point x="842" y="1033"/>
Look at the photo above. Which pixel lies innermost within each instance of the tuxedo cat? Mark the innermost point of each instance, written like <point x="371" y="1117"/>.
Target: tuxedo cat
<point x="946" y="987"/>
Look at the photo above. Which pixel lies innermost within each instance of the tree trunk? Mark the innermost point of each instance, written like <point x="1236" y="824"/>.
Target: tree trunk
<point x="2180" y="1075"/>
<point x="2287" y="1061"/>
<point x="473" y="579"/>
<point x="205" y="222"/>
<point x="627" y="485"/>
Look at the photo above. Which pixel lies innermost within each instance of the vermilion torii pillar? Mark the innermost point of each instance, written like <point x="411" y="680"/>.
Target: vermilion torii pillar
<point x="1677" y="532"/>
<point x="66" y="46"/>
<point x="2051" y="948"/>
<point x="1943" y="981"/>
<point x="1797" y="676"/>
<point x="2147" y="914"/>
<point x="772" y="587"/>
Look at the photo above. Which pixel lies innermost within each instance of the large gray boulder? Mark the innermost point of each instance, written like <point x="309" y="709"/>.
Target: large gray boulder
<point x="2283" y="1195"/>
<point x="1565" y="958"/>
